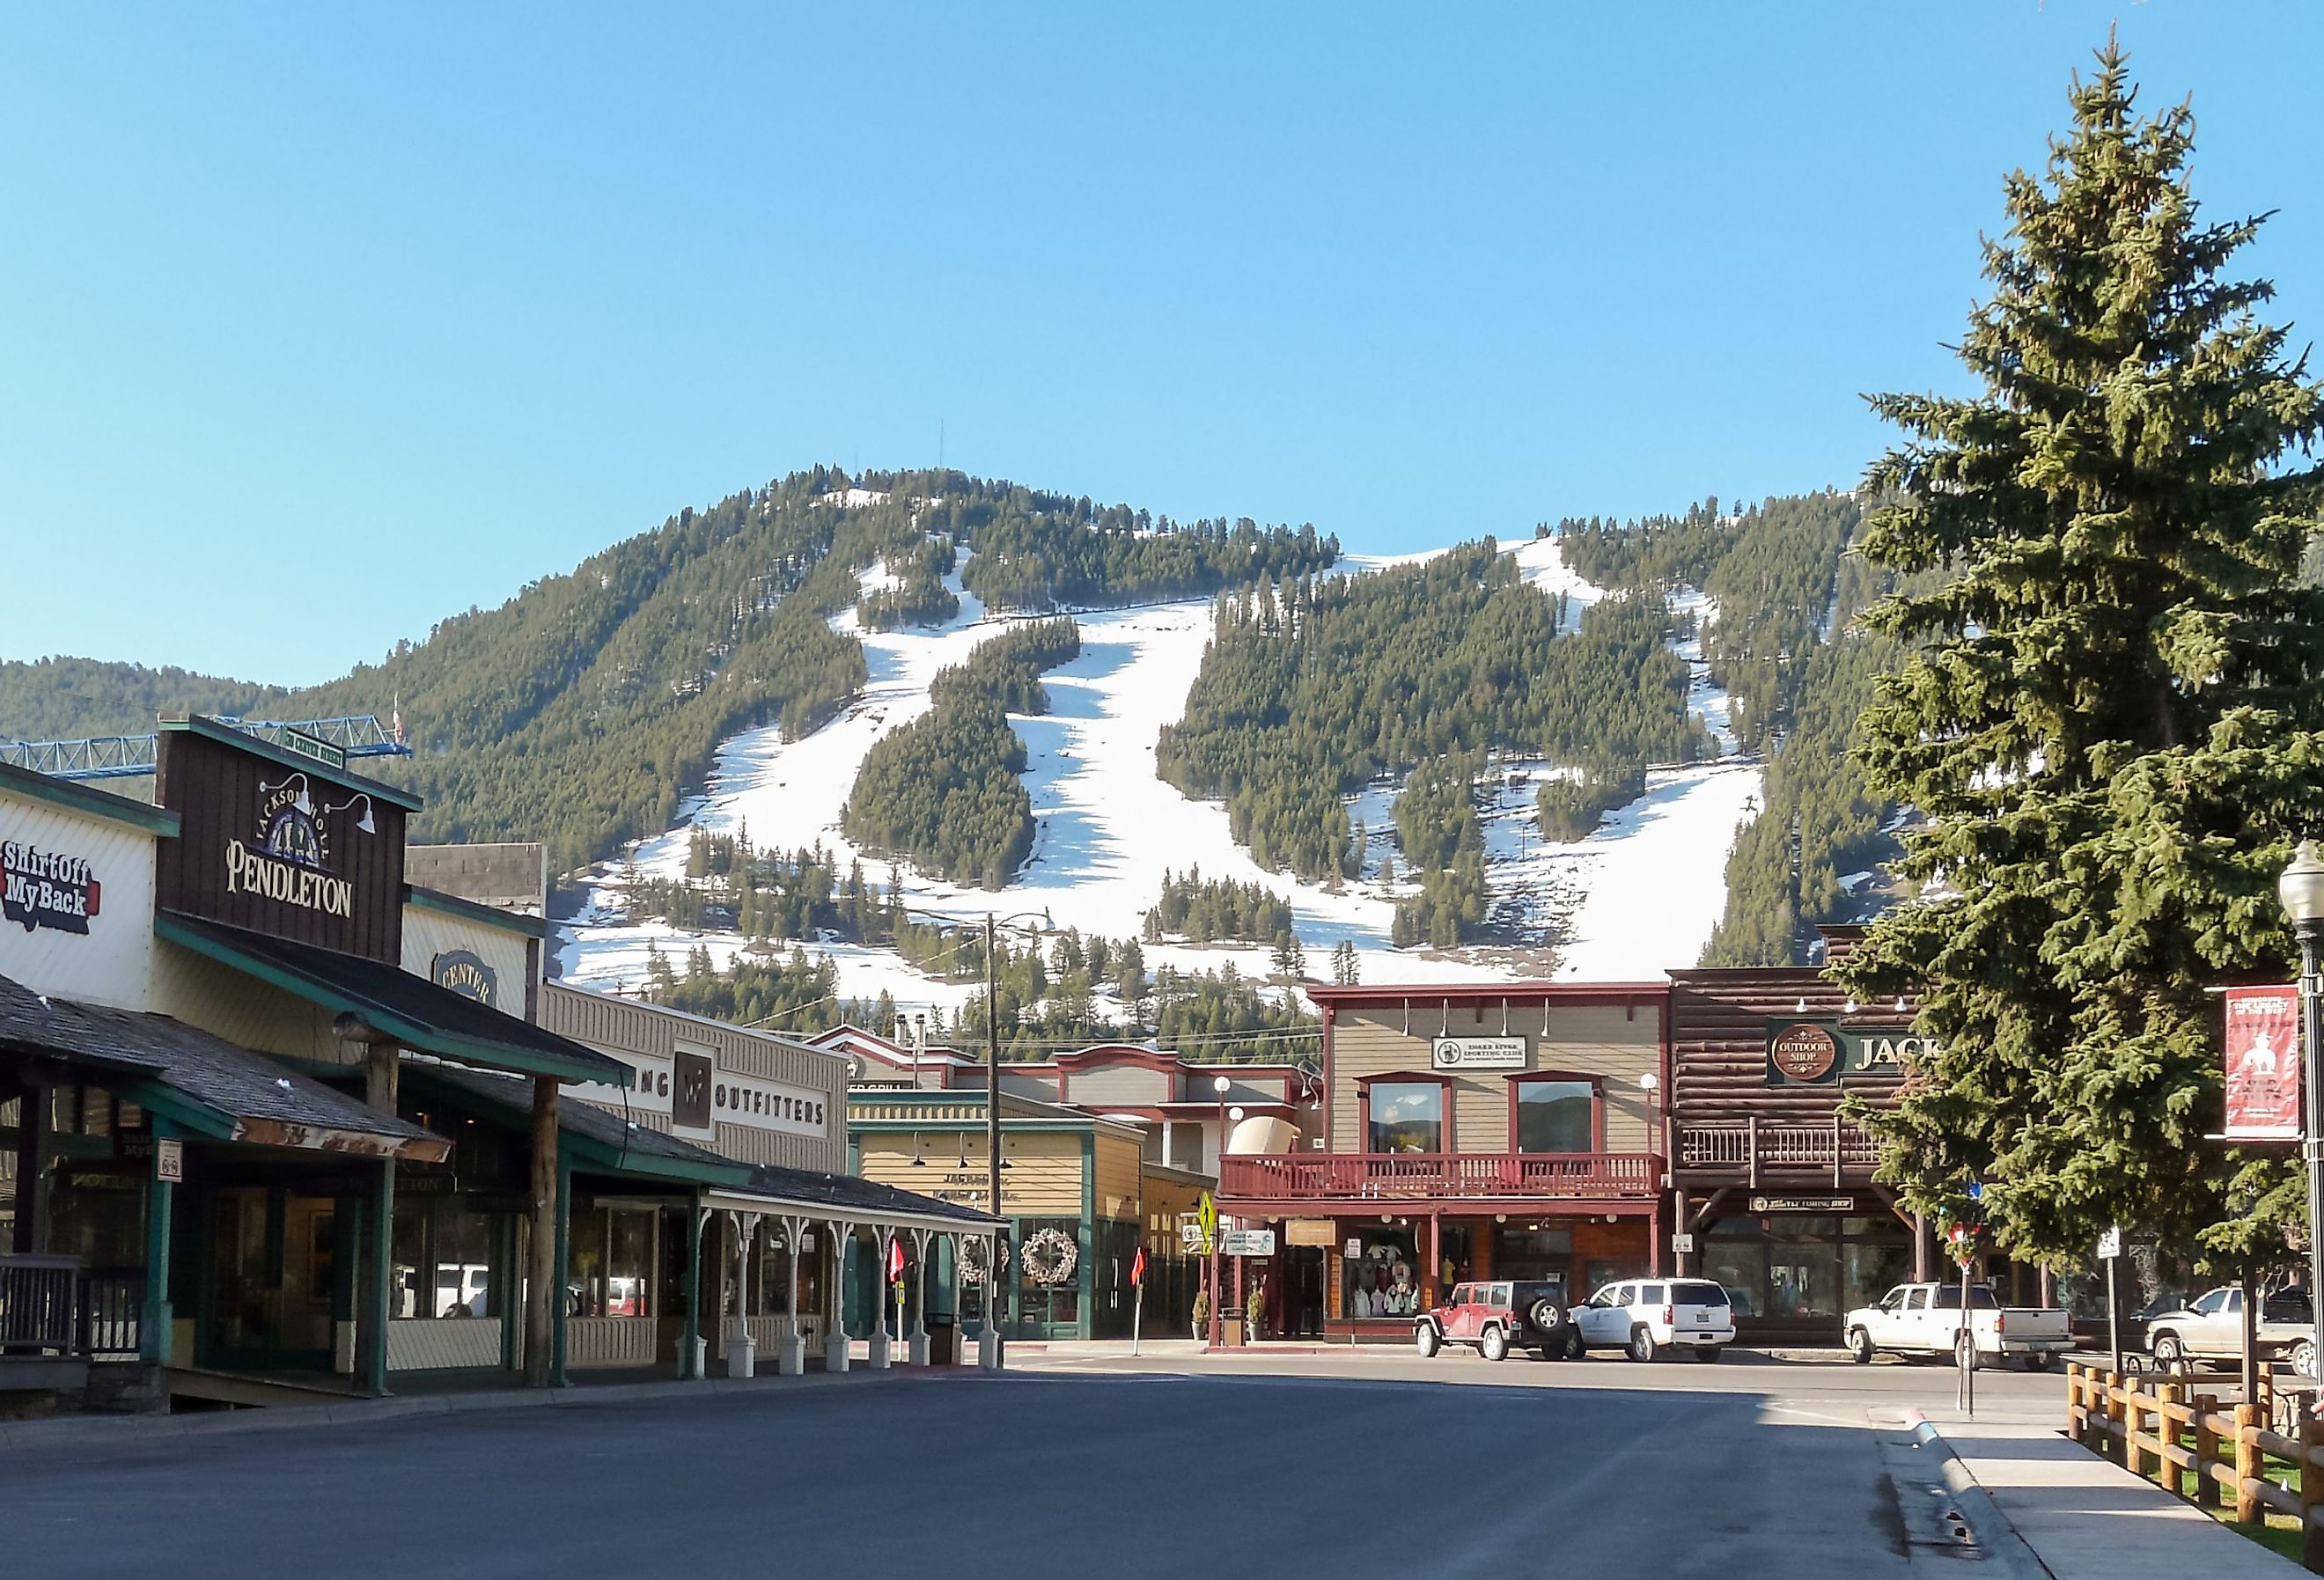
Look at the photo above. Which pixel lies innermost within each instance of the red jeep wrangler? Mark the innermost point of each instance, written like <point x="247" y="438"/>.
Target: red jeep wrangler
<point x="1501" y="1317"/>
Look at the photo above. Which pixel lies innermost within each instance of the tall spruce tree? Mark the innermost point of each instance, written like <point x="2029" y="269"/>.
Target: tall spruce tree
<point x="2111" y="717"/>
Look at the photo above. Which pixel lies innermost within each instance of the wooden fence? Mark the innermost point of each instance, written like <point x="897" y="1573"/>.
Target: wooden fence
<point x="2162" y="1428"/>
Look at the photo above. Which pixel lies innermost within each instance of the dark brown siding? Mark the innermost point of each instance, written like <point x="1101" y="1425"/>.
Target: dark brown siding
<point x="1720" y="1022"/>
<point x="214" y="788"/>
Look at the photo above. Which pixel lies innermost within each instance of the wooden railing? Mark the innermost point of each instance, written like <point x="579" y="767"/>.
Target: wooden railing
<point x="2165" y="1431"/>
<point x="111" y="1316"/>
<point x="1292" y="1177"/>
<point x="1751" y="1147"/>
<point x="40" y="1304"/>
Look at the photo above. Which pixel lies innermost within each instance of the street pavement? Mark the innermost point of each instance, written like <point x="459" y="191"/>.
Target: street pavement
<point x="1341" y="1466"/>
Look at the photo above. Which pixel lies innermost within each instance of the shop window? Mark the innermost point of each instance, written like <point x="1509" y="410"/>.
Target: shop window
<point x="1384" y="1279"/>
<point x="1533" y="1253"/>
<point x="1554" y="1114"/>
<point x="773" y="1258"/>
<point x="444" y="1261"/>
<point x="610" y="1263"/>
<point x="1406" y="1116"/>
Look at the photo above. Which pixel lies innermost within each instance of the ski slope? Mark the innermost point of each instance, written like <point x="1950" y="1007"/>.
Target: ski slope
<point x="1639" y="895"/>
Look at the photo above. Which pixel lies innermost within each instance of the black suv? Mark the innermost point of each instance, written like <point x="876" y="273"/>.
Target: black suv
<point x="1500" y="1316"/>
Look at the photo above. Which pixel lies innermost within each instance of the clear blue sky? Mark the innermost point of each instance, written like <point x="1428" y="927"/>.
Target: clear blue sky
<point x="314" y="328"/>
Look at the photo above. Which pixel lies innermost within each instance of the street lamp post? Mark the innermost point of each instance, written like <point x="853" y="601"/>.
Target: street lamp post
<point x="1222" y="1085"/>
<point x="2301" y="891"/>
<point x="988" y="1341"/>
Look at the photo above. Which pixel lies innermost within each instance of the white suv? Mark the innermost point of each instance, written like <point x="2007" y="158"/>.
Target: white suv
<point x="1647" y="1315"/>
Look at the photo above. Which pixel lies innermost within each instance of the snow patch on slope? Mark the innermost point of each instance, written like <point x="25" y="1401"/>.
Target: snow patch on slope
<point x="1637" y="896"/>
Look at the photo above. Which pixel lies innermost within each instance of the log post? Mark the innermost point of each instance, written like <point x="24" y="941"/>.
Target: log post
<point x="541" y="1283"/>
<point x="2311" y="1494"/>
<point x="2110" y="1413"/>
<point x="2170" y="1396"/>
<point x="2206" y="1451"/>
<point x="2247" y="1464"/>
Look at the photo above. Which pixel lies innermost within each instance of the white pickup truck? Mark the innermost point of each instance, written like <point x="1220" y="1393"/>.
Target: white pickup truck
<point x="1925" y="1319"/>
<point x="2212" y="1327"/>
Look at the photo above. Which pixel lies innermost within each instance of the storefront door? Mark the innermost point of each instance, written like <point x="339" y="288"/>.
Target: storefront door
<point x="274" y="1281"/>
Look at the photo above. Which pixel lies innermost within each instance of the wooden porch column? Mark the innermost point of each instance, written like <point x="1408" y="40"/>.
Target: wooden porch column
<point x="154" y="1322"/>
<point x="544" y="1277"/>
<point x="790" y="1352"/>
<point x="689" y="1339"/>
<point x="1655" y="1238"/>
<point x="379" y="1247"/>
<point x="916" y="1338"/>
<point x="560" y="1269"/>
<point x="835" y="1343"/>
<point x="1920" y="1249"/>
<point x="382" y="1065"/>
<point x="1680" y="1222"/>
<point x="31" y="1231"/>
<point x="1428" y="1274"/>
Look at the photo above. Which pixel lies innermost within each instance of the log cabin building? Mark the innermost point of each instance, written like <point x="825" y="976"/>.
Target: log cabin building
<point x="1772" y="1190"/>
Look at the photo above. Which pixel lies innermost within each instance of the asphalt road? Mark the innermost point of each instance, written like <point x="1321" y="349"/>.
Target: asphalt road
<point x="1333" y="1467"/>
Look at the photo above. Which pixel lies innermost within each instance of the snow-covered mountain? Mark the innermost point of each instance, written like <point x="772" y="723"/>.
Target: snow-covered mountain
<point x="1639" y="895"/>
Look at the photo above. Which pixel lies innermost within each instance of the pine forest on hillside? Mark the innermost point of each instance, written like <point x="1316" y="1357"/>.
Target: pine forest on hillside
<point x="945" y="789"/>
<point x="1313" y="690"/>
<point x="581" y="711"/>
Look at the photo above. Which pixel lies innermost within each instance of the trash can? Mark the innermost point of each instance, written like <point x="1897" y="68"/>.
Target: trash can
<point x="944" y="1339"/>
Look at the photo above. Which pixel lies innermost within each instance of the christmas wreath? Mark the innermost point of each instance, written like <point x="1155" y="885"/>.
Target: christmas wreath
<point x="1051" y="1257"/>
<point x="973" y="1253"/>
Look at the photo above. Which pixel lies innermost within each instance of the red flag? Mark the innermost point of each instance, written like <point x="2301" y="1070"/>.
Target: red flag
<point x="896" y="1260"/>
<point x="2262" y="1063"/>
<point x="1138" y="1268"/>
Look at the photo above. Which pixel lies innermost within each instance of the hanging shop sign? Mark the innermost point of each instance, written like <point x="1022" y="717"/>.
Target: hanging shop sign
<point x="1247" y="1242"/>
<point x="1309" y="1230"/>
<point x="280" y="849"/>
<point x="1803" y="1204"/>
<point x="465" y="973"/>
<point x="1478" y="1053"/>
<point x="1817" y="1053"/>
<point x="46" y="888"/>
<point x="2262" y="1064"/>
<point x="169" y="1160"/>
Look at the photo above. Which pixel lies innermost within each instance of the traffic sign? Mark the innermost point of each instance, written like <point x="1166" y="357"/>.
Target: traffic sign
<point x="1206" y="1214"/>
<point x="1248" y="1242"/>
<point x="1190" y="1236"/>
<point x="2110" y="1243"/>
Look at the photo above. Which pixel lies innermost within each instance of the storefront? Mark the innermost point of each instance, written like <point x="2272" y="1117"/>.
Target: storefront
<point x="1470" y="1131"/>
<point x="1072" y="1191"/>
<point x="1774" y="1193"/>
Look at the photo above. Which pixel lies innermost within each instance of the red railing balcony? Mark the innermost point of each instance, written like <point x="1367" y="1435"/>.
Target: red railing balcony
<point x="1330" y="1177"/>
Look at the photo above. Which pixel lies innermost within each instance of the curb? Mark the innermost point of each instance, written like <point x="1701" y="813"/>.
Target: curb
<point x="1995" y="1536"/>
<point x="131" y="1431"/>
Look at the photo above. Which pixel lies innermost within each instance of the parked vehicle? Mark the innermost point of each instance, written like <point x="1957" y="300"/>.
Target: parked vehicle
<point x="1499" y="1316"/>
<point x="1647" y="1317"/>
<point x="2212" y="1328"/>
<point x="1925" y="1319"/>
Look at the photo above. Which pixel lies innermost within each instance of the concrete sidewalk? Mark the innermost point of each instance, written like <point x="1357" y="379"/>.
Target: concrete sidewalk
<point x="2086" y="1518"/>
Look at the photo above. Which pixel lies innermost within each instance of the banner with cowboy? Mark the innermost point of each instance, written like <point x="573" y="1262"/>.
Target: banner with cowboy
<point x="2262" y="1064"/>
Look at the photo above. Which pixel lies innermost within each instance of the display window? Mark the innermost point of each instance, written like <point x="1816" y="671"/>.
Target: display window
<point x="1554" y="1114"/>
<point x="1405" y="1116"/>
<point x="443" y="1261"/>
<point x="772" y="1257"/>
<point x="610" y="1262"/>
<point x="1384" y="1279"/>
<point x="1806" y="1268"/>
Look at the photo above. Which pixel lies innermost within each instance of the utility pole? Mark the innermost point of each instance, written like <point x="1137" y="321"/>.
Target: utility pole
<point x="992" y="1138"/>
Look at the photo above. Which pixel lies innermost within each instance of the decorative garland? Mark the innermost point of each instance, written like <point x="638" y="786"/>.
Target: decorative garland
<point x="1051" y="1257"/>
<point x="973" y="1253"/>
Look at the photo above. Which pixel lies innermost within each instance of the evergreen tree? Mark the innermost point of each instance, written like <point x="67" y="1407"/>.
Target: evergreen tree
<point x="2110" y="714"/>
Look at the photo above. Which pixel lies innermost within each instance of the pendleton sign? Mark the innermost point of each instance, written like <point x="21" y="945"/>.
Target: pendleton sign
<point x="279" y="843"/>
<point x="1821" y="1053"/>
